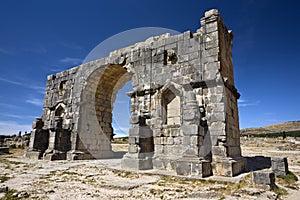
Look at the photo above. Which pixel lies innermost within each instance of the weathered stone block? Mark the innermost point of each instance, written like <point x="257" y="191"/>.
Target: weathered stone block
<point x="217" y="116"/>
<point x="132" y="148"/>
<point x="219" y="151"/>
<point x="37" y="124"/>
<point x="170" y="140"/>
<point x="33" y="155"/>
<point x="157" y="140"/>
<point x="195" y="168"/>
<point x="131" y="140"/>
<point x="211" y="12"/>
<point x="194" y="140"/>
<point x="178" y="140"/>
<point x="175" y="132"/>
<point x="264" y="177"/>
<point x="159" y="149"/>
<point x="189" y="130"/>
<point x="229" y="167"/>
<point x="137" y="163"/>
<point x="190" y="150"/>
<point x="279" y="166"/>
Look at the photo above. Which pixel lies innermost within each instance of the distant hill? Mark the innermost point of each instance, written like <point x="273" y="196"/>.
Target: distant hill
<point x="273" y="128"/>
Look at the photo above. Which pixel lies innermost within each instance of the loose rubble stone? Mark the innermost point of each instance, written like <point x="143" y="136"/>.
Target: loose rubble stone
<point x="15" y="194"/>
<point x="3" y="188"/>
<point x="23" y="195"/>
<point x="183" y="104"/>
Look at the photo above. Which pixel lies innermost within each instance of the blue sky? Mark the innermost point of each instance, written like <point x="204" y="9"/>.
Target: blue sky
<point x="38" y="38"/>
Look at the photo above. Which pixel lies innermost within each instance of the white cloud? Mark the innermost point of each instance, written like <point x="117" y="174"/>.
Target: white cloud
<point x="246" y="103"/>
<point x="124" y="101"/>
<point x="40" y="89"/>
<point x="270" y="113"/>
<point x="121" y="131"/>
<point x="71" y="46"/>
<point x="56" y="69"/>
<point x="272" y="120"/>
<point x="11" y="81"/>
<point x="241" y="101"/>
<point x="18" y="116"/>
<point x="72" y="61"/>
<point x="12" y="127"/>
<point x="39" y="50"/>
<point x="35" y="101"/>
<point x="4" y="51"/>
<point x="8" y="105"/>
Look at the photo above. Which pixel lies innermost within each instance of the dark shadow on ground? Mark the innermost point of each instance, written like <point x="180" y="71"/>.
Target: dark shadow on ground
<point x="257" y="163"/>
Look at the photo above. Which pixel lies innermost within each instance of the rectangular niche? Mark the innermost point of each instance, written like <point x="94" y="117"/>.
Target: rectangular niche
<point x="171" y="105"/>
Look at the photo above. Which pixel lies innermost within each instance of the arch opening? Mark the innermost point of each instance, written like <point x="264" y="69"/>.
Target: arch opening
<point x="121" y="112"/>
<point x="110" y="84"/>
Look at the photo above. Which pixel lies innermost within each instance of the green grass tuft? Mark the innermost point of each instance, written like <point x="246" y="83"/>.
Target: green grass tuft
<point x="280" y="191"/>
<point x="289" y="180"/>
<point x="9" y="195"/>
<point x="3" y="178"/>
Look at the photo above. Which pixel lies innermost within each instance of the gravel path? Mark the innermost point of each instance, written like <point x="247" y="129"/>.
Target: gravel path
<point x="104" y="179"/>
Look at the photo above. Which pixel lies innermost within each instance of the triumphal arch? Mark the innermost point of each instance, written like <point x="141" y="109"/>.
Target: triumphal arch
<point x="184" y="114"/>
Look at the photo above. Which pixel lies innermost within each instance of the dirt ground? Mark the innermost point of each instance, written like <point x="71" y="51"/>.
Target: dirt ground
<point x="101" y="179"/>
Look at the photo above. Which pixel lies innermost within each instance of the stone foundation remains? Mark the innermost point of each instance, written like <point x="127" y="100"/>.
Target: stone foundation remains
<point x="183" y="105"/>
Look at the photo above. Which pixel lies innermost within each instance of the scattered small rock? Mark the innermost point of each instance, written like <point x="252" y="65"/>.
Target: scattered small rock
<point x="252" y="191"/>
<point x="268" y="195"/>
<point x="50" y="191"/>
<point x="205" y="195"/>
<point x="3" y="188"/>
<point x="218" y="187"/>
<point x="15" y="195"/>
<point x="23" y="195"/>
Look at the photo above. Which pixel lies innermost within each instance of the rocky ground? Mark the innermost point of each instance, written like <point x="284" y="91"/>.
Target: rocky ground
<point x="101" y="179"/>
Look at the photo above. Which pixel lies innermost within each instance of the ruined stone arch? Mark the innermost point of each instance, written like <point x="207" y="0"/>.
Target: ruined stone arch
<point x="167" y="72"/>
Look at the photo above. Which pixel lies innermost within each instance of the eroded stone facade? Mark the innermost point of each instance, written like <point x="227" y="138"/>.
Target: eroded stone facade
<point x="183" y="105"/>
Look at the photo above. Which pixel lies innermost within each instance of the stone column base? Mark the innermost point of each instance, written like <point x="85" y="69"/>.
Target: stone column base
<point x="137" y="161"/>
<point x="33" y="155"/>
<point x="55" y="156"/>
<point x="229" y="166"/>
<point x="80" y="155"/>
<point x="163" y="162"/>
<point x="193" y="167"/>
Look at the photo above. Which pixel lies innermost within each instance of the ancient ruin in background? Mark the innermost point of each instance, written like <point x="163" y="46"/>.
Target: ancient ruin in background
<point x="183" y="105"/>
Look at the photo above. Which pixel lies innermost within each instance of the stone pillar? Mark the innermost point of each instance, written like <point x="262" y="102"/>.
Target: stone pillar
<point x="141" y="146"/>
<point x="38" y="140"/>
<point x="191" y="163"/>
<point x="223" y="120"/>
<point x="53" y="152"/>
